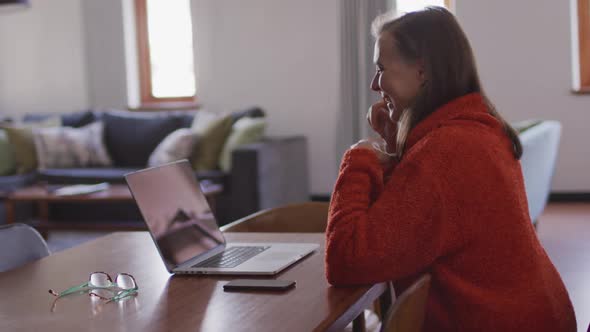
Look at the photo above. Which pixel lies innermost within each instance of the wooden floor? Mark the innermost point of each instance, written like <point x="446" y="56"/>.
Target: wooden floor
<point x="564" y="231"/>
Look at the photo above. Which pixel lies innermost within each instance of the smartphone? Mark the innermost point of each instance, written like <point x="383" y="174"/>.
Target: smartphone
<point x="258" y="284"/>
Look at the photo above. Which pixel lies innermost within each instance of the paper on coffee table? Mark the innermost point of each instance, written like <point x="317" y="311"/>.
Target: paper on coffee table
<point x="80" y="189"/>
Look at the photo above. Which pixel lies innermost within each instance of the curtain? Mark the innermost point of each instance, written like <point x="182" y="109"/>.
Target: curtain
<point x="357" y="68"/>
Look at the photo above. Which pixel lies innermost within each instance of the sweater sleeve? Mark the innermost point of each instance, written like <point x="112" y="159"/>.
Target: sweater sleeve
<point x="378" y="232"/>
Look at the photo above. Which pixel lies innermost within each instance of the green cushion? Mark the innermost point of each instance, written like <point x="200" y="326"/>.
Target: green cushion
<point x="244" y="131"/>
<point x="23" y="145"/>
<point x="211" y="140"/>
<point x="7" y="162"/>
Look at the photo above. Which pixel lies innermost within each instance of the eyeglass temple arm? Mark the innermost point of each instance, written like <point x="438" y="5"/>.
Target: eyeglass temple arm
<point x="123" y="294"/>
<point x="69" y="290"/>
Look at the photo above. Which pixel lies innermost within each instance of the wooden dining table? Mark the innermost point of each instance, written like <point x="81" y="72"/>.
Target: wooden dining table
<point x="168" y="302"/>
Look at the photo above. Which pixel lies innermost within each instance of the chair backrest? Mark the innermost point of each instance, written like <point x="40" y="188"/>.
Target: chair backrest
<point x="540" y="145"/>
<point x="20" y="244"/>
<point x="408" y="311"/>
<point x="309" y="217"/>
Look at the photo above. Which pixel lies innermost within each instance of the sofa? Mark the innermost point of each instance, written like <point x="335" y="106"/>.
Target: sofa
<point x="264" y="173"/>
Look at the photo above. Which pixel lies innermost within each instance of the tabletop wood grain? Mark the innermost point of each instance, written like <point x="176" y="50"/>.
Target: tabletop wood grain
<point x="173" y="303"/>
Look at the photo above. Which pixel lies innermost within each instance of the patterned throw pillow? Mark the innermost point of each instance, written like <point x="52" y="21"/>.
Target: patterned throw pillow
<point x="67" y="147"/>
<point x="244" y="131"/>
<point x="178" y="145"/>
<point x="20" y="137"/>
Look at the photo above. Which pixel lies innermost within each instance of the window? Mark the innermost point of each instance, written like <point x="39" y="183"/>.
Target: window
<point x="165" y="53"/>
<point x="582" y="58"/>
<point x="404" y="6"/>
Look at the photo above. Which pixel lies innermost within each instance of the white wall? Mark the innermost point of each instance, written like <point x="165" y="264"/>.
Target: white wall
<point x="105" y="50"/>
<point x="261" y="53"/>
<point x="523" y="52"/>
<point x="282" y="55"/>
<point x="42" y="58"/>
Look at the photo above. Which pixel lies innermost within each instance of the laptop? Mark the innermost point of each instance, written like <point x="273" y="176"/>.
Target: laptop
<point x="186" y="232"/>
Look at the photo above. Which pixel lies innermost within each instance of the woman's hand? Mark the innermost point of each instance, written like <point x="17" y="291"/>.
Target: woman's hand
<point x="380" y="119"/>
<point x="378" y="146"/>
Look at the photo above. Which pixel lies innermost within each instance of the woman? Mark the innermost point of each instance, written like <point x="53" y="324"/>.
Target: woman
<point x="442" y="192"/>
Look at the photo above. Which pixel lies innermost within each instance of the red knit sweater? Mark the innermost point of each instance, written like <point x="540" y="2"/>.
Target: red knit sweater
<point x="454" y="207"/>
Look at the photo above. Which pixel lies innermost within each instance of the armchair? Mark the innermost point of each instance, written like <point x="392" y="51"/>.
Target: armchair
<point x="540" y="144"/>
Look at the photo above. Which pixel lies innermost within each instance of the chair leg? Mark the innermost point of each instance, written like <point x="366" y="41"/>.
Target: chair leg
<point x="358" y="324"/>
<point x="385" y="301"/>
<point x="377" y="309"/>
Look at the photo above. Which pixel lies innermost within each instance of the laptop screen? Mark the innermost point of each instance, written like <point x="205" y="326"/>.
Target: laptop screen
<point x="176" y="212"/>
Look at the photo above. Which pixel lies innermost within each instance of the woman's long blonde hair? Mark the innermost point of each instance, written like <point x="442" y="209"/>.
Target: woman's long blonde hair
<point x="434" y="37"/>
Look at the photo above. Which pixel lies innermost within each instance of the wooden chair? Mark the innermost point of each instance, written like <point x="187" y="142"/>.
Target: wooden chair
<point x="407" y="313"/>
<point x="308" y="217"/>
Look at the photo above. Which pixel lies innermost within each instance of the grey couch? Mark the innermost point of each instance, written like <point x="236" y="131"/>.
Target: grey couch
<point x="264" y="174"/>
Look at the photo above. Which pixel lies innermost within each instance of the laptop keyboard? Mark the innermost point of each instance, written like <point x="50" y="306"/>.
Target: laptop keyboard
<point x="231" y="257"/>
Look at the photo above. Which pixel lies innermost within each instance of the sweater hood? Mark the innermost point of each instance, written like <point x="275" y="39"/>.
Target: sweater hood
<point x="471" y="107"/>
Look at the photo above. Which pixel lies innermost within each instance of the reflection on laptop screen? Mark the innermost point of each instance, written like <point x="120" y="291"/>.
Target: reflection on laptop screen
<point x="176" y="212"/>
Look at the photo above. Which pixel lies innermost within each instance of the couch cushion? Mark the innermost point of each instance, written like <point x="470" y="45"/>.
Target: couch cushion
<point x="7" y="162"/>
<point x="253" y="112"/>
<point x="38" y="117"/>
<point x="94" y="175"/>
<point x="245" y="131"/>
<point x="84" y="175"/>
<point x="205" y="119"/>
<point x="131" y="138"/>
<point x="68" y="119"/>
<point x="176" y="146"/>
<point x="186" y="119"/>
<point x="21" y="139"/>
<point x="12" y="182"/>
<point x="67" y="147"/>
<point x="77" y="119"/>
<point x="211" y="140"/>
<point x="6" y="119"/>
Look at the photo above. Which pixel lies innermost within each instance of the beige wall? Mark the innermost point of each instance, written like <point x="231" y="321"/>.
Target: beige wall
<point x="523" y="51"/>
<point x="282" y="55"/>
<point x="105" y="53"/>
<point x="42" y="57"/>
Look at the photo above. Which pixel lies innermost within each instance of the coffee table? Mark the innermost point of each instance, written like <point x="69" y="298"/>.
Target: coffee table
<point x="42" y="195"/>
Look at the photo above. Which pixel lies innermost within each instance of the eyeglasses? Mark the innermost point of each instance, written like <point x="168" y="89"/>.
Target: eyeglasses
<point x="101" y="285"/>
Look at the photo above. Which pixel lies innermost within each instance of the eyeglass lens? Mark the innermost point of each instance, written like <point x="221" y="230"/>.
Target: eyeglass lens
<point x="125" y="281"/>
<point x="101" y="279"/>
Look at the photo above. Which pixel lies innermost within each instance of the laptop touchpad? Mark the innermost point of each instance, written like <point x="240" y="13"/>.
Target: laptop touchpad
<point x="278" y="255"/>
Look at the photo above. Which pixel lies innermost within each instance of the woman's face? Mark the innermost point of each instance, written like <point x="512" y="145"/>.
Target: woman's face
<point x="398" y="81"/>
